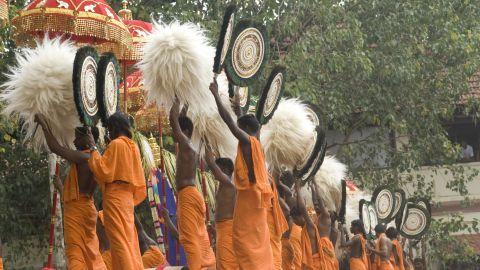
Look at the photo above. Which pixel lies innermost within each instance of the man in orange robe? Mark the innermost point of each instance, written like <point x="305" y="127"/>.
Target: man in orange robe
<point x="251" y="237"/>
<point x="358" y="255"/>
<point x="396" y="258"/>
<point x="152" y="256"/>
<point x="382" y="250"/>
<point x="80" y="215"/>
<point x="292" y="248"/>
<point x="191" y="209"/>
<point x="317" y="251"/>
<point x="222" y="169"/>
<point x="277" y="225"/>
<point x="120" y="174"/>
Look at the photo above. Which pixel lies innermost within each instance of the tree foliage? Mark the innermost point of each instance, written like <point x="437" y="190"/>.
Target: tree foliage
<point x="397" y="68"/>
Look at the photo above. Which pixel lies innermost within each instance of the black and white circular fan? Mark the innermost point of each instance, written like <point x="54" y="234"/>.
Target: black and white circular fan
<point x="271" y="95"/>
<point x="224" y="39"/>
<point x="383" y="200"/>
<point x="415" y="222"/>
<point x="108" y="79"/>
<point x="365" y="215"/>
<point x="248" y="54"/>
<point x="314" y="158"/>
<point x="84" y="80"/>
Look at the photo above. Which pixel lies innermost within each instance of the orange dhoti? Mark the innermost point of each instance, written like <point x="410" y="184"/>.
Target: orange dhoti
<point x="1" y="264"/>
<point x="226" y="259"/>
<point x="292" y="249"/>
<point x="192" y="231"/>
<point x="118" y="209"/>
<point x="153" y="258"/>
<point x="384" y="265"/>
<point x="277" y="225"/>
<point x="357" y="264"/>
<point x="251" y="237"/>
<point x="107" y="259"/>
<point x="324" y="259"/>
<point x="81" y="242"/>
<point x="120" y="174"/>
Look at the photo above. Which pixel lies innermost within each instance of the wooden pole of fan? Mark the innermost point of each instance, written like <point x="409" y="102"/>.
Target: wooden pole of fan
<point x="163" y="196"/>
<point x="125" y="87"/>
<point x="51" y="241"/>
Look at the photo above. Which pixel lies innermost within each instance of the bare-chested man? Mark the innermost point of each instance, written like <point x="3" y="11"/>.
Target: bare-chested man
<point x="191" y="208"/>
<point x="222" y="169"/>
<point x="80" y="214"/>
<point x="358" y="255"/>
<point x="251" y="236"/>
<point x="382" y="249"/>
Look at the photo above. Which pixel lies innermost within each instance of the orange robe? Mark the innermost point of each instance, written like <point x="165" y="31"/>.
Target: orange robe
<point x="80" y="220"/>
<point x="251" y="237"/>
<point x="292" y="249"/>
<point x="362" y="262"/>
<point x="379" y="264"/>
<point x="120" y="174"/>
<point x="1" y="264"/>
<point x="324" y="259"/>
<point x="192" y="231"/>
<point x="225" y="254"/>
<point x="107" y="259"/>
<point x="153" y="258"/>
<point x="277" y="225"/>
<point x="398" y="249"/>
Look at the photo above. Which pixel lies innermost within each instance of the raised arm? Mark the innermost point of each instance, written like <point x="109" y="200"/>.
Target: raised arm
<point x="69" y="154"/>
<point x="168" y="221"/>
<point x="217" y="172"/>
<point x="343" y="240"/>
<point x="289" y="199"/>
<point x="301" y="205"/>
<point x="180" y="138"/>
<point x="241" y="135"/>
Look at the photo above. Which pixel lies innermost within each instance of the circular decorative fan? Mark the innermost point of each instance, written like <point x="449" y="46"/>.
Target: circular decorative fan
<point x="400" y="200"/>
<point x="108" y="78"/>
<point x="85" y="85"/>
<point x="373" y="216"/>
<point x="383" y="201"/>
<point x="313" y="116"/>
<point x="224" y="39"/>
<point x="314" y="159"/>
<point x="271" y="95"/>
<point x="365" y="215"/>
<point x="416" y="222"/>
<point x="248" y="54"/>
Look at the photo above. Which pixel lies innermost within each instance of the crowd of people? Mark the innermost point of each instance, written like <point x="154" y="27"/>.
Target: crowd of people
<point x="261" y="221"/>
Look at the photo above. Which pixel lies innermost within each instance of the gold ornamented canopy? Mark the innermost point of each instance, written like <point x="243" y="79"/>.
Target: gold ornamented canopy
<point x="3" y="12"/>
<point x="84" y="21"/>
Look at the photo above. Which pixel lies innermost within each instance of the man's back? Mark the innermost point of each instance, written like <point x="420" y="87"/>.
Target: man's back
<point x="186" y="166"/>
<point x="225" y="202"/>
<point x="86" y="180"/>
<point x="356" y="249"/>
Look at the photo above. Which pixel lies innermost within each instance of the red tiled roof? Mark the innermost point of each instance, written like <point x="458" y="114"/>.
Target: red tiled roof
<point x="472" y="239"/>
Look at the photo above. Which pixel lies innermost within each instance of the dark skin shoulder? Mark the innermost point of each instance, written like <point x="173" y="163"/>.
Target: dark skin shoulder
<point x="86" y="180"/>
<point x="242" y="136"/>
<point x="385" y="247"/>
<point x="324" y="221"/>
<point x="308" y="221"/>
<point x="354" y="244"/>
<point x="226" y="193"/>
<point x="186" y="164"/>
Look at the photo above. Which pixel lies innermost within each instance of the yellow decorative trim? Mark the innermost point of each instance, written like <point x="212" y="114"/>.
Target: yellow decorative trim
<point x="111" y="34"/>
<point x="3" y="13"/>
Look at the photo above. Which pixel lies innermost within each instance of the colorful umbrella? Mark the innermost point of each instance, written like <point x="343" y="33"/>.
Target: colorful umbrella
<point x="84" y="21"/>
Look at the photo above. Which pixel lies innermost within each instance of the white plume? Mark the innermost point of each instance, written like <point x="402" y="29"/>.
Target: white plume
<point x="287" y="136"/>
<point x="211" y="126"/>
<point x="41" y="82"/>
<point x="328" y="183"/>
<point x="178" y="61"/>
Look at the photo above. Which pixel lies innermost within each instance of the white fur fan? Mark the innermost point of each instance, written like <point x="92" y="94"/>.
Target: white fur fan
<point x="41" y="82"/>
<point x="328" y="182"/>
<point x="210" y="125"/>
<point x="178" y="61"/>
<point x="286" y="137"/>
